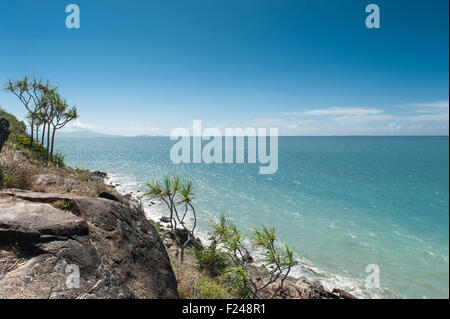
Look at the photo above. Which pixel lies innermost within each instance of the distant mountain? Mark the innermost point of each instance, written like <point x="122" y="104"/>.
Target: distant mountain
<point x="82" y="134"/>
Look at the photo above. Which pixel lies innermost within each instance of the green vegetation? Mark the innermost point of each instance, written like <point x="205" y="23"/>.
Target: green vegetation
<point x="155" y="225"/>
<point x="235" y="269"/>
<point x="226" y="262"/>
<point x="63" y="204"/>
<point x="15" y="126"/>
<point x="5" y="180"/>
<point x="36" y="151"/>
<point x="211" y="260"/>
<point x="202" y="286"/>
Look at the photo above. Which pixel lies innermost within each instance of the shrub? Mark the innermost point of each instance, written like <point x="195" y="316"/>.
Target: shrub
<point x="37" y="151"/>
<point x="64" y="204"/>
<point x="15" y="126"/>
<point x="155" y="225"/>
<point x="22" y="178"/>
<point x="58" y="160"/>
<point x="5" y="180"/>
<point x="211" y="260"/>
<point x="279" y="261"/>
<point x="195" y="285"/>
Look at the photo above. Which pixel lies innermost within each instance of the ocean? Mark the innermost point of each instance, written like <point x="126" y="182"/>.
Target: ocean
<point x="343" y="203"/>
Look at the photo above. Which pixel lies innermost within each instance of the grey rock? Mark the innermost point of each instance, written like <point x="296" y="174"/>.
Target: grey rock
<point x="108" y="195"/>
<point x="95" y="175"/>
<point x="49" y="179"/>
<point x="302" y="289"/>
<point x="293" y="288"/>
<point x="4" y="131"/>
<point x="117" y="251"/>
<point x="165" y="219"/>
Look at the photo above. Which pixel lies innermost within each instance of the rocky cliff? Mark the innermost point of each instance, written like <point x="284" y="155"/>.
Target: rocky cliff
<point x="45" y="239"/>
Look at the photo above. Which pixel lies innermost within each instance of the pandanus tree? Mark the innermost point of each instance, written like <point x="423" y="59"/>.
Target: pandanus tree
<point x="32" y="94"/>
<point x="46" y="109"/>
<point x="38" y="122"/>
<point x="59" y="114"/>
<point x="277" y="260"/>
<point x="177" y="194"/>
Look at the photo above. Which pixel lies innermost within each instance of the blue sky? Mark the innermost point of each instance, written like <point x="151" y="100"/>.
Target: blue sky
<point x="306" y="67"/>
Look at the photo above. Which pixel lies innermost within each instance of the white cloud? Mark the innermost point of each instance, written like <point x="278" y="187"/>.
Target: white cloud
<point x="438" y="104"/>
<point x="78" y="125"/>
<point x="430" y="117"/>
<point x="343" y="111"/>
<point x="441" y="103"/>
<point x="362" y="118"/>
<point x="394" y="126"/>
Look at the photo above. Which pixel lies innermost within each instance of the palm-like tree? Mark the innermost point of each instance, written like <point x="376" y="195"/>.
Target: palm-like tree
<point x="177" y="193"/>
<point x="59" y="115"/>
<point x="32" y="94"/>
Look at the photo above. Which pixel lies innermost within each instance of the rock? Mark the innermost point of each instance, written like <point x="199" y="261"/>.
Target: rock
<point x="247" y="257"/>
<point x="98" y="174"/>
<point x="293" y="288"/>
<point x="95" y="175"/>
<point x="108" y="195"/>
<point x="117" y="251"/>
<point x="49" y="179"/>
<point x="165" y="219"/>
<point x="167" y="242"/>
<point x="183" y="235"/>
<point x="4" y="131"/>
<point x="26" y="224"/>
<point x="302" y="289"/>
<point x="343" y="294"/>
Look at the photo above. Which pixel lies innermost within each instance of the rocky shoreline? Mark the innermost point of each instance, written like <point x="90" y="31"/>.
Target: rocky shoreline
<point x="106" y="236"/>
<point x="294" y="288"/>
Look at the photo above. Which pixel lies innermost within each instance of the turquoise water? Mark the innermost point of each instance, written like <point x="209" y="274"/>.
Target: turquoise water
<point x="342" y="202"/>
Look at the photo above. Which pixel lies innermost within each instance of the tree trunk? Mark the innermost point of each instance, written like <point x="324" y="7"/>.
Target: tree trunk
<point x="43" y="134"/>
<point x="53" y="142"/>
<point x="48" y="142"/>
<point x="37" y="134"/>
<point x="32" y="131"/>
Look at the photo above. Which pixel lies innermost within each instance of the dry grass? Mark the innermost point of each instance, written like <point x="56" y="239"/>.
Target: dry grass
<point x="23" y="172"/>
<point x="192" y="282"/>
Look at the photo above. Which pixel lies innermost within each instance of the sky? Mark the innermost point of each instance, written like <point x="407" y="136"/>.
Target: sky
<point x="305" y="67"/>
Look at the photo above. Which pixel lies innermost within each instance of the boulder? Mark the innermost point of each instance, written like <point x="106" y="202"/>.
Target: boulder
<point x="183" y="236"/>
<point x="108" y="195"/>
<point x="96" y="176"/>
<point x="49" y="179"/>
<point x="302" y="289"/>
<point x="116" y="251"/>
<point x="343" y="294"/>
<point x="165" y="219"/>
<point x="4" y="131"/>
